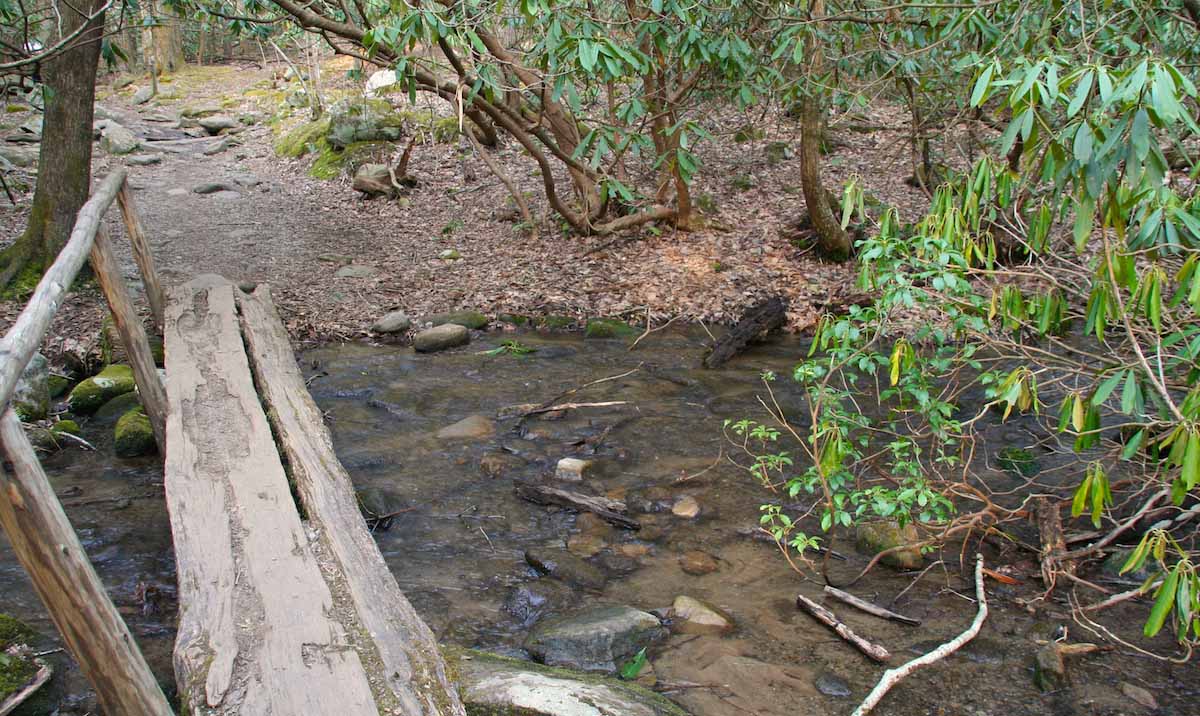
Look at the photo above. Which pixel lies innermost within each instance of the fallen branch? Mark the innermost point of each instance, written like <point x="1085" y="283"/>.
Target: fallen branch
<point x="829" y="619"/>
<point x="572" y="406"/>
<point x="611" y="511"/>
<point x="868" y="607"/>
<point x="891" y="677"/>
<point x="650" y="330"/>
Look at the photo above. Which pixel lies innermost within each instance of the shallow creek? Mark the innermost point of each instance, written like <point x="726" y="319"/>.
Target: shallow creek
<point x="458" y="547"/>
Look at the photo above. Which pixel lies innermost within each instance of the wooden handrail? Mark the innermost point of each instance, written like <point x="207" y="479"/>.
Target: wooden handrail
<point x="41" y="535"/>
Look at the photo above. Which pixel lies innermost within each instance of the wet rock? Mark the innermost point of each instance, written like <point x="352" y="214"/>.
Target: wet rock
<point x="633" y="550"/>
<point x="686" y="507"/>
<point x="1139" y="695"/>
<point x="356" y="271"/>
<point x="515" y="411"/>
<point x="50" y="439"/>
<point x="497" y="464"/>
<point x="133" y="435"/>
<point x="217" y="123"/>
<point x="564" y="566"/>
<point x="394" y="322"/>
<point x="528" y="602"/>
<point x="144" y="160"/>
<point x="373" y="180"/>
<point x="594" y="639"/>
<point x="118" y="140"/>
<point x="472" y="427"/>
<point x="31" y="397"/>
<point x="468" y="319"/>
<point x="441" y="337"/>
<point x="492" y="684"/>
<point x="698" y="563"/>
<point x="1049" y="668"/>
<point x="1114" y="562"/>
<point x="608" y="328"/>
<point x="592" y="536"/>
<point x="692" y="616"/>
<point x="832" y="685"/>
<point x="874" y="537"/>
<point x="572" y="469"/>
<point x="618" y="564"/>
<point x="143" y="95"/>
<point x="89" y="395"/>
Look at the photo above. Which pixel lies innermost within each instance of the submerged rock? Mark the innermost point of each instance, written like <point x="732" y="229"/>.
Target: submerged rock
<point x="692" y="616"/>
<point x="686" y="507"/>
<point x="874" y="537"/>
<point x="832" y="685"/>
<point x="499" y="686"/>
<point x="472" y="427"/>
<point x="441" y="337"/>
<point x="563" y="565"/>
<point x="133" y="435"/>
<point x="697" y="563"/>
<point x="528" y="602"/>
<point x="594" y="639"/>
<point x="1049" y="668"/>
<point x="89" y="395"/>
<point x="31" y="397"/>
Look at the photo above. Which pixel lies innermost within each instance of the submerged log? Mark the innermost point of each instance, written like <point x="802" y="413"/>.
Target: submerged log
<point x="759" y="319"/>
<point x="611" y="511"/>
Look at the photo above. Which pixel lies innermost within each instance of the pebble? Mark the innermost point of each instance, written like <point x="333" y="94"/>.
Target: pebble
<point x="686" y="507"/>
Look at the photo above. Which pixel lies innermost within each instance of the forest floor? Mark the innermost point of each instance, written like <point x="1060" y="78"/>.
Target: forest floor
<point x="280" y="226"/>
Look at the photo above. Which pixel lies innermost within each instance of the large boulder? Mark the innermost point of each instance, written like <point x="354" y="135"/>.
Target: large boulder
<point x="597" y="639"/>
<point x="441" y="337"/>
<point x="217" y="123"/>
<point x="368" y="120"/>
<point x="89" y="395"/>
<point x="31" y="397"/>
<point x="117" y="140"/>
<point x="19" y="156"/>
<point x="498" y="686"/>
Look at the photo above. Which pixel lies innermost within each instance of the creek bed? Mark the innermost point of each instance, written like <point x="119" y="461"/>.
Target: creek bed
<point x="458" y="545"/>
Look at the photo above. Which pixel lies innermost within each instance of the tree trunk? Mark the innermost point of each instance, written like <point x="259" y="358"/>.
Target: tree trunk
<point x="833" y="241"/>
<point x="65" y="161"/>
<point x="168" y="41"/>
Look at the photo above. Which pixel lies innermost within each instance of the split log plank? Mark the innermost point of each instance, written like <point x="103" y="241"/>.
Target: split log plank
<point x="48" y="548"/>
<point x="829" y="619"/>
<point x="25" y="335"/>
<point x="142" y="255"/>
<point x="258" y="630"/>
<point x="611" y="511"/>
<point x="412" y="664"/>
<point x="133" y="335"/>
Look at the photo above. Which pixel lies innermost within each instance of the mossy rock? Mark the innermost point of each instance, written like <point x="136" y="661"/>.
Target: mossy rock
<point x="69" y="427"/>
<point x="50" y="439"/>
<point x="608" y="328"/>
<point x="59" y="385"/>
<point x="133" y="435"/>
<point x="557" y="323"/>
<point x="303" y="139"/>
<point x="112" y="411"/>
<point x="14" y="631"/>
<point x="445" y="130"/>
<point x="331" y="163"/>
<point x="367" y="120"/>
<point x="468" y="319"/>
<point x="874" y="537"/>
<point x="513" y="319"/>
<point x="31" y="396"/>
<point x="1018" y="461"/>
<point x="91" y="394"/>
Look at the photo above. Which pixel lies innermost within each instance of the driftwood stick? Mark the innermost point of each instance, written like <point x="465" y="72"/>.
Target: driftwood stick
<point x="829" y="619"/>
<point x="891" y="677"/>
<point x="868" y="607"/>
<point x="574" y="406"/>
<point x="612" y="511"/>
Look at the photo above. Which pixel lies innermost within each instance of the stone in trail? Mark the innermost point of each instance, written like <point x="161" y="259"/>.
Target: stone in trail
<point x="441" y="337"/>
<point x="19" y="156"/>
<point x="143" y="95"/>
<point x="393" y="322"/>
<point x="177" y="191"/>
<point x="218" y="147"/>
<point x="217" y="123"/>
<point x="144" y="160"/>
<point x="598" y="638"/>
<point x="494" y="685"/>
<point x="225" y="195"/>
<point x="213" y="187"/>
<point x="692" y="616"/>
<point x="118" y="140"/>
<point x="472" y="427"/>
<point x="356" y="271"/>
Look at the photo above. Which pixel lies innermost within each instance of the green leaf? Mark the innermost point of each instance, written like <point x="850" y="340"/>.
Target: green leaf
<point x="1162" y="605"/>
<point x="1132" y="446"/>
<point x="1082" y="89"/>
<point x="981" y="85"/>
<point x="1139" y="134"/>
<point x="1084" y="140"/>
<point x="1106" y="388"/>
<point x="630" y="669"/>
<point x="1129" y="395"/>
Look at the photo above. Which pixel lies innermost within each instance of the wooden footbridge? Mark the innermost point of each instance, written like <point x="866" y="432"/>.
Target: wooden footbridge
<point x="286" y="606"/>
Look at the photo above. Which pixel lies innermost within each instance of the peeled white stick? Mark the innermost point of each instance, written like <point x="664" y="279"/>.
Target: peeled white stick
<point x="891" y="677"/>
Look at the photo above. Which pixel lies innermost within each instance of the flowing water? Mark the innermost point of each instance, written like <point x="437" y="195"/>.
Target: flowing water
<point x="457" y="545"/>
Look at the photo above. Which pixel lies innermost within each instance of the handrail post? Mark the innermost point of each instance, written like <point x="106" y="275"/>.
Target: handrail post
<point x="48" y="548"/>
<point x="142" y="255"/>
<point x="133" y="336"/>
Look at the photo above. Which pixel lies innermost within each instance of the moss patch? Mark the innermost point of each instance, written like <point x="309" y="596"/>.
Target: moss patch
<point x="557" y="323"/>
<point x="22" y="285"/>
<point x="15" y="673"/>
<point x="14" y="631"/>
<point x="307" y="137"/>
<point x="88" y="396"/>
<point x="608" y="328"/>
<point x="58" y="384"/>
<point x="133" y="435"/>
<point x="1018" y="461"/>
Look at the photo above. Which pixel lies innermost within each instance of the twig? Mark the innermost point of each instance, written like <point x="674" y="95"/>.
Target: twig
<point x="868" y="607"/>
<point x="891" y="677"/>
<point x="687" y="478"/>
<point x="572" y="406"/>
<point x="650" y="330"/>
<point x="914" y="582"/>
<point x="485" y="536"/>
<point x="829" y="619"/>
